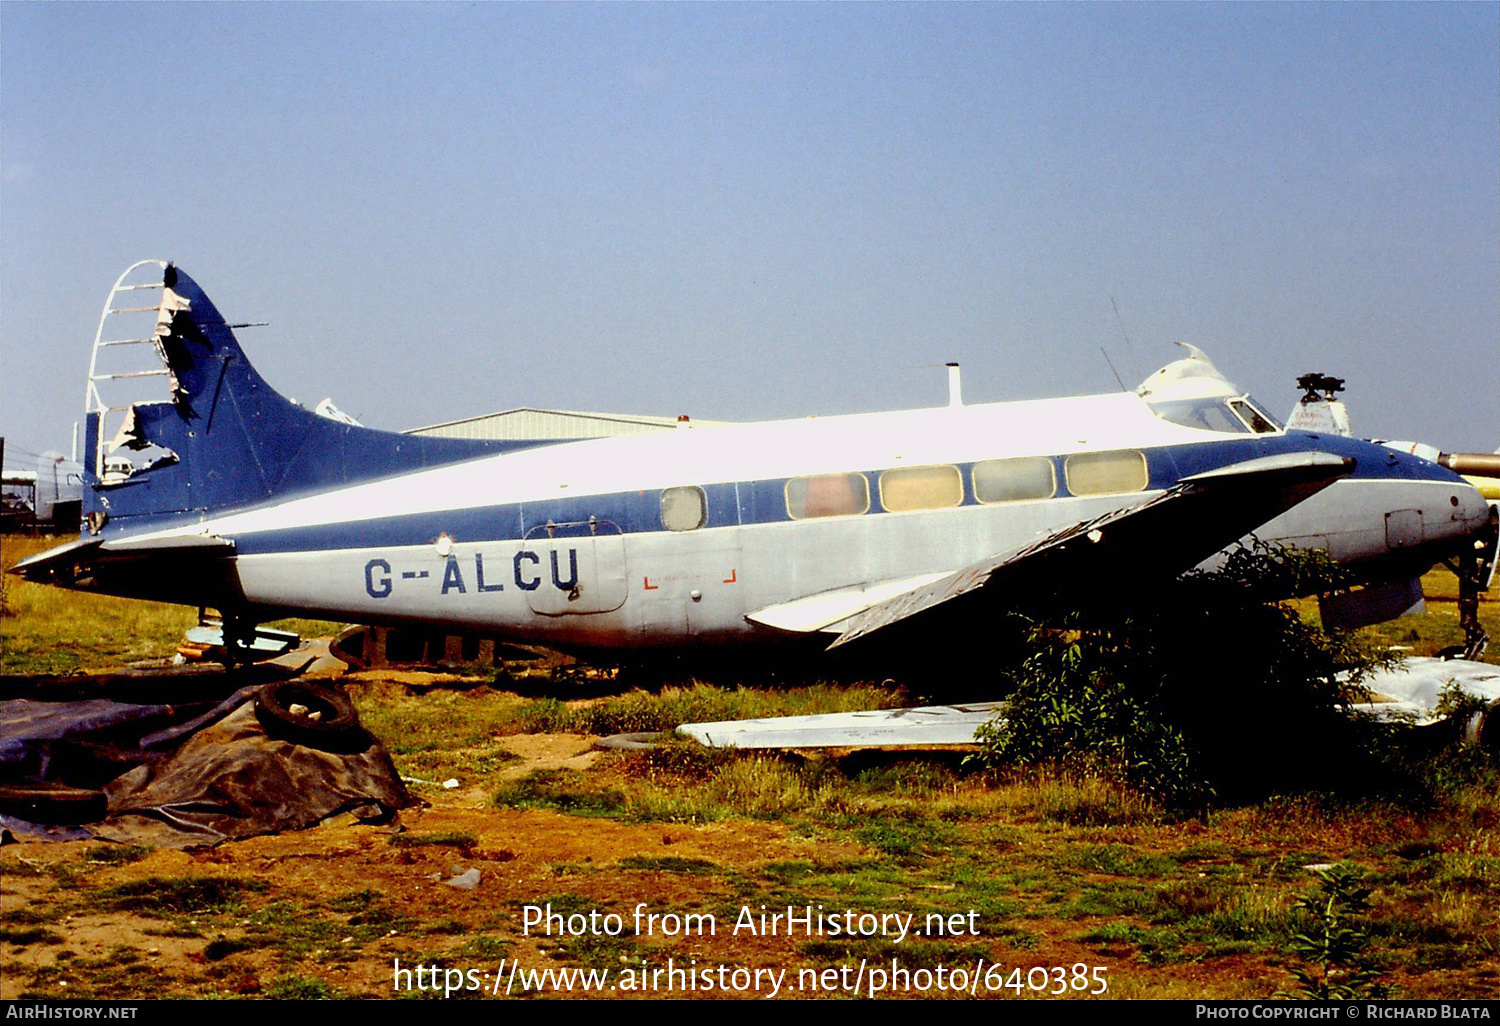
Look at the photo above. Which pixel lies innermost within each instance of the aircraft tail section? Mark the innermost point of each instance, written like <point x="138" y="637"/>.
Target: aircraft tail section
<point x="222" y="438"/>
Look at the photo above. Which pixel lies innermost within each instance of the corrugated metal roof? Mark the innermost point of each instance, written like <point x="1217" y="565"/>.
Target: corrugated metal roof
<point x="527" y="422"/>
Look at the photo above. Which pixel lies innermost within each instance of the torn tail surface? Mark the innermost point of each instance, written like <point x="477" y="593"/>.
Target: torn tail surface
<point x="225" y="439"/>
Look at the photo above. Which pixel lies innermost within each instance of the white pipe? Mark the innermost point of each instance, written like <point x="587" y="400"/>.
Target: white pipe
<point x="955" y="389"/>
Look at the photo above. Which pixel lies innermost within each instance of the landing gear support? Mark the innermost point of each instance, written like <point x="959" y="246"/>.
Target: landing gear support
<point x="239" y="634"/>
<point x="1470" y="585"/>
<point x="1475" y="570"/>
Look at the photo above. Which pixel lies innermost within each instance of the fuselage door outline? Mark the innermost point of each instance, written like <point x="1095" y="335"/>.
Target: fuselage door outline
<point x="574" y="568"/>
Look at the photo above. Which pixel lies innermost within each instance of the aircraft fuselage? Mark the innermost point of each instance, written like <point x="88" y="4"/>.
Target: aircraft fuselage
<point x="569" y="544"/>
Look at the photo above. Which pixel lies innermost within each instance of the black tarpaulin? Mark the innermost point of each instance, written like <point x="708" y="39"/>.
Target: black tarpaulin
<point x="189" y="774"/>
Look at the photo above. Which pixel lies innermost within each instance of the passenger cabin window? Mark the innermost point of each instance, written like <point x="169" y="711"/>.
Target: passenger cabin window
<point x="1030" y="477"/>
<point x="1103" y="473"/>
<point x="827" y="495"/>
<point x="684" y="508"/>
<point x="912" y="488"/>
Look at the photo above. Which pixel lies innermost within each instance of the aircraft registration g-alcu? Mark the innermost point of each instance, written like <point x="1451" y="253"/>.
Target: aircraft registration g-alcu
<point x="222" y="493"/>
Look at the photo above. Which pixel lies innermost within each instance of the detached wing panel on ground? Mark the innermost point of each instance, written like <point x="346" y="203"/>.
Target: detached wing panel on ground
<point x="930" y="725"/>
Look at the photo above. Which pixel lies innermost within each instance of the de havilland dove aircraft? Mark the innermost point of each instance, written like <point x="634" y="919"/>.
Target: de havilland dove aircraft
<point x="825" y="530"/>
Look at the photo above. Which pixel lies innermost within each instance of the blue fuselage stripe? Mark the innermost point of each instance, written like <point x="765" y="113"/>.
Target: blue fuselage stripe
<point x="763" y="502"/>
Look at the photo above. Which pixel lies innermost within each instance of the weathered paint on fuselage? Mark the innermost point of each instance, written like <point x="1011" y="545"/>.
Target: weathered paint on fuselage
<point x="469" y="545"/>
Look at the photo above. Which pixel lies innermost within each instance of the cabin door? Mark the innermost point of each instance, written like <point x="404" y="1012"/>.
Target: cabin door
<point x="573" y="568"/>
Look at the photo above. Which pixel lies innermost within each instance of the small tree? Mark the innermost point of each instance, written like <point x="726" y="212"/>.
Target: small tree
<point x="1334" y="946"/>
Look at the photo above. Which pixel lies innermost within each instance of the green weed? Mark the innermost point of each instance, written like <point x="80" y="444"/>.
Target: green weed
<point x="642" y="711"/>
<point x="1336" y="963"/>
<point x="669" y="864"/>
<point x="165" y="896"/>
<point x="23" y="936"/>
<point x="290" y="987"/>
<point x="463" y="842"/>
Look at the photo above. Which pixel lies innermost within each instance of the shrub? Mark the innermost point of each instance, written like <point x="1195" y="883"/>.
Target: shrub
<point x="1206" y="686"/>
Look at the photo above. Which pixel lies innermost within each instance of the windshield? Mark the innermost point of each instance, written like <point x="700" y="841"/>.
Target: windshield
<point x="1240" y="416"/>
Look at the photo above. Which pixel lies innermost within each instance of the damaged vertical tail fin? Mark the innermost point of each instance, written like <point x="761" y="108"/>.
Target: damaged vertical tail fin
<point x="221" y="438"/>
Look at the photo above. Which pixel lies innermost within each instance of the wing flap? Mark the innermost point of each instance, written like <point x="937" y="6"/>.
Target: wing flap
<point x="1158" y="538"/>
<point x="821" y="611"/>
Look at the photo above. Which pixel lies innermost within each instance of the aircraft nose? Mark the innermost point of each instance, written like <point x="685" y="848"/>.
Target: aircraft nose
<point x="1471" y="519"/>
<point x="1470" y="508"/>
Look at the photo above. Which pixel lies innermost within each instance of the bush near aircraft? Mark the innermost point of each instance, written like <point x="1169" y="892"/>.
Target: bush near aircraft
<point x="1203" y="692"/>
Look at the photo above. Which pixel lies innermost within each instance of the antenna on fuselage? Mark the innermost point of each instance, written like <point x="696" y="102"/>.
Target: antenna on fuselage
<point x="955" y="387"/>
<point x="1112" y="369"/>
<point x="1129" y="349"/>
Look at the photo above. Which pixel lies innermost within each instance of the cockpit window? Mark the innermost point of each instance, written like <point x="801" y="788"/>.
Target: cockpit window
<point x="1258" y="421"/>
<point x="1227" y="416"/>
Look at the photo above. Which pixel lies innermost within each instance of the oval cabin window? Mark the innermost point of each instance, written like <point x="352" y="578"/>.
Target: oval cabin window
<point x="827" y="495"/>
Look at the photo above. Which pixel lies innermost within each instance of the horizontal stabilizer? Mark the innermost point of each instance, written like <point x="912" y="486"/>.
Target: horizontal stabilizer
<point x="42" y="566"/>
<point x="144" y="567"/>
<point x="88" y="551"/>
<point x="130" y="546"/>
<point x="1157" y="539"/>
<point x="930" y="725"/>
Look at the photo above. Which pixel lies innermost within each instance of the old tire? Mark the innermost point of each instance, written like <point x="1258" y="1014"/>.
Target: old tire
<point x="53" y="803"/>
<point x="329" y="719"/>
<point x="642" y="741"/>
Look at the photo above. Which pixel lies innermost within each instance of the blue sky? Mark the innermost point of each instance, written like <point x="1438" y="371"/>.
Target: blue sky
<point x="749" y="211"/>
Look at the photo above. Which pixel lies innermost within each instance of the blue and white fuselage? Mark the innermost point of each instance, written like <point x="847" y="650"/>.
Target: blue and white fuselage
<point x="729" y="534"/>
<point x="469" y="545"/>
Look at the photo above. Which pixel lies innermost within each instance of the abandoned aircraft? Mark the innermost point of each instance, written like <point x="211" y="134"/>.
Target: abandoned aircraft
<point x="823" y="529"/>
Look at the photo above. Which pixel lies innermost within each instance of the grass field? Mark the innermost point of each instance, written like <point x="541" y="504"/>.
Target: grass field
<point x="53" y="630"/>
<point x="1058" y="869"/>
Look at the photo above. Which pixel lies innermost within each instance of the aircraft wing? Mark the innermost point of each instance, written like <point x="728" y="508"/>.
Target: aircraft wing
<point x="1153" y="540"/>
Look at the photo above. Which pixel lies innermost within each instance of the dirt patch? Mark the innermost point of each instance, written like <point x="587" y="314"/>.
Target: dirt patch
<point x="548" y="751"/>
<point x="329" y="874"/>
<point x="523" y="857"/>
<point x="414" y="679"/>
